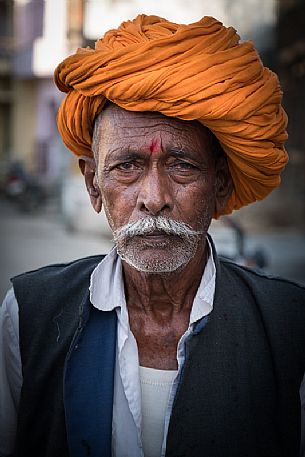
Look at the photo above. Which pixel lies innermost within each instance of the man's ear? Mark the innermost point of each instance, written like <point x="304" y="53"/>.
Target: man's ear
<point x="223" y="184"/>
<point x="87" y="166"/>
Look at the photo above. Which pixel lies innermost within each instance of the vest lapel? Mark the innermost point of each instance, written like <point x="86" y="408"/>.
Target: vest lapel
<point x="88" y="383"/>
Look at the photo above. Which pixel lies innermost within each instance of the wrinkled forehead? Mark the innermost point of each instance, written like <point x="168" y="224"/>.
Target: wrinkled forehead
<point x="117" y="128"/>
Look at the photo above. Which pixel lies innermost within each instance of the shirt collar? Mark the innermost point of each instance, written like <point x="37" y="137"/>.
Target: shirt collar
<point x="204" y="298"/>
<point x="106" y="283"/>
<point x="107" y="286"/>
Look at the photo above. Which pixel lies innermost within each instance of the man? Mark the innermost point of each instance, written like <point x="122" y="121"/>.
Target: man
<point x="160" y="348"/>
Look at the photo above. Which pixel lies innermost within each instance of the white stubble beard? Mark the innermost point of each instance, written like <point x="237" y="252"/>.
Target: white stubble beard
<point x="155" y="256"/>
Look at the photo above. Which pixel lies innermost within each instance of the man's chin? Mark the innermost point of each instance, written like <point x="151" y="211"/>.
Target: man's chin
<point x="157" y="256"/>
<point x="153" y="266"/>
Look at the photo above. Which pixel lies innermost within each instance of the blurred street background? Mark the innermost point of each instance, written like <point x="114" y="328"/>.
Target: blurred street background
<point x="45" y="212"/>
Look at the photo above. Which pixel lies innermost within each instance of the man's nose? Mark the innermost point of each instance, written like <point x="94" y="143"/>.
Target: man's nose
<point x="155" y="197"/>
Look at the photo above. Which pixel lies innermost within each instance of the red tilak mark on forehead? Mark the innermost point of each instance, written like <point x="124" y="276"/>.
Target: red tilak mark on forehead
<point x="155" y="145"/>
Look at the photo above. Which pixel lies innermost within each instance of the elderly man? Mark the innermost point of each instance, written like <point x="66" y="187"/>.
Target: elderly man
<point x="160" y="348"/>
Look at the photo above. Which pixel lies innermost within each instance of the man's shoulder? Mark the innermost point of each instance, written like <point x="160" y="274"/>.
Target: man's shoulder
<point x="57" y="269"/>
<point x="62" y="280"/>
<point x="261" y="282"/>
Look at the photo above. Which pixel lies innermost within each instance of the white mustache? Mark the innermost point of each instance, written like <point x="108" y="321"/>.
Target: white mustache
<point x="151" y="224"/>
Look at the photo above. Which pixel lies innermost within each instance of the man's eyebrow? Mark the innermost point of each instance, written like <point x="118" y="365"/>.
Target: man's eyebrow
<point x="132" y="154"/>
<point x="181" y="153"/>
<point x="123" y="154"/>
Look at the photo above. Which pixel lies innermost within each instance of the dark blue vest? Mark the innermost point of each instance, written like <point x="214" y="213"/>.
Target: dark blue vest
<point x="88" y="384"/>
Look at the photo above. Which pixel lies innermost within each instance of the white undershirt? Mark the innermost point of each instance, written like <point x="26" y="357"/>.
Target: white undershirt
<point x="156" y="386"/>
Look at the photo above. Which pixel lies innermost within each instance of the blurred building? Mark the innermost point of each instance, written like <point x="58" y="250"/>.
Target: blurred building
<point x="35" y="35"/>
<point x="291" y="69"/>
<point x="46" y="31"/>
<point x="285" y="207"/>
<point x="6" y="86"/>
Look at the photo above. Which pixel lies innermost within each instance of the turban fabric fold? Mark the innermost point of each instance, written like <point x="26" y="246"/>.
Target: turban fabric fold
<point x="199" y="71"/>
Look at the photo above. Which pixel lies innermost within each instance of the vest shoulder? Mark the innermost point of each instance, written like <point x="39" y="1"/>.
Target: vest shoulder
<point x="47" y="284"/>
<point x="261" y="280"/>
<point x="56" y="269"/>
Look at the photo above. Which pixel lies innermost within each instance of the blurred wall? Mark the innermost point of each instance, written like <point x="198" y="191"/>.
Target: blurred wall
<point x="285" y="207"/>
<point x="6" y="91"/>
<point x="291" y="69"/>
<point x="24" y="120"/>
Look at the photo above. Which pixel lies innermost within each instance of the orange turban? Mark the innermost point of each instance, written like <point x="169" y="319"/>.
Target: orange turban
<point x="198" y="71"/>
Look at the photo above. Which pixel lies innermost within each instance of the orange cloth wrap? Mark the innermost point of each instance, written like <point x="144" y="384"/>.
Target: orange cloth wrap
<point x="198" y="71"/>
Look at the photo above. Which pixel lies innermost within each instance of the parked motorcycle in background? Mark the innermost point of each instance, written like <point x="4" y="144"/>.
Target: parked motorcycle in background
<point x="23" y="189"/>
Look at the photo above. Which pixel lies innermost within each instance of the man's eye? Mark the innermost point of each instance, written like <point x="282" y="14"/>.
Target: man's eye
<point x="184" y="166"/>
<point x="126" y="166"/>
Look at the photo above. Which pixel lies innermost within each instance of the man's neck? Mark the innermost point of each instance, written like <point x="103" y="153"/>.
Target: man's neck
<point x="159" y="307"/>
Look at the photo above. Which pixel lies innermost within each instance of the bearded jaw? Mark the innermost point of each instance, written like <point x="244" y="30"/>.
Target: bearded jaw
<point x="156" y="257"/>
<point x="147" y="254"/>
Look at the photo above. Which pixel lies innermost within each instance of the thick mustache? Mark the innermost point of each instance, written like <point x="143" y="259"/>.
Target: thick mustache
<point x="150" y="224"/>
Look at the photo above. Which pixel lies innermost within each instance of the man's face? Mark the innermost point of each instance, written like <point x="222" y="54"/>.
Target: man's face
<point x="154" y="168"/>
